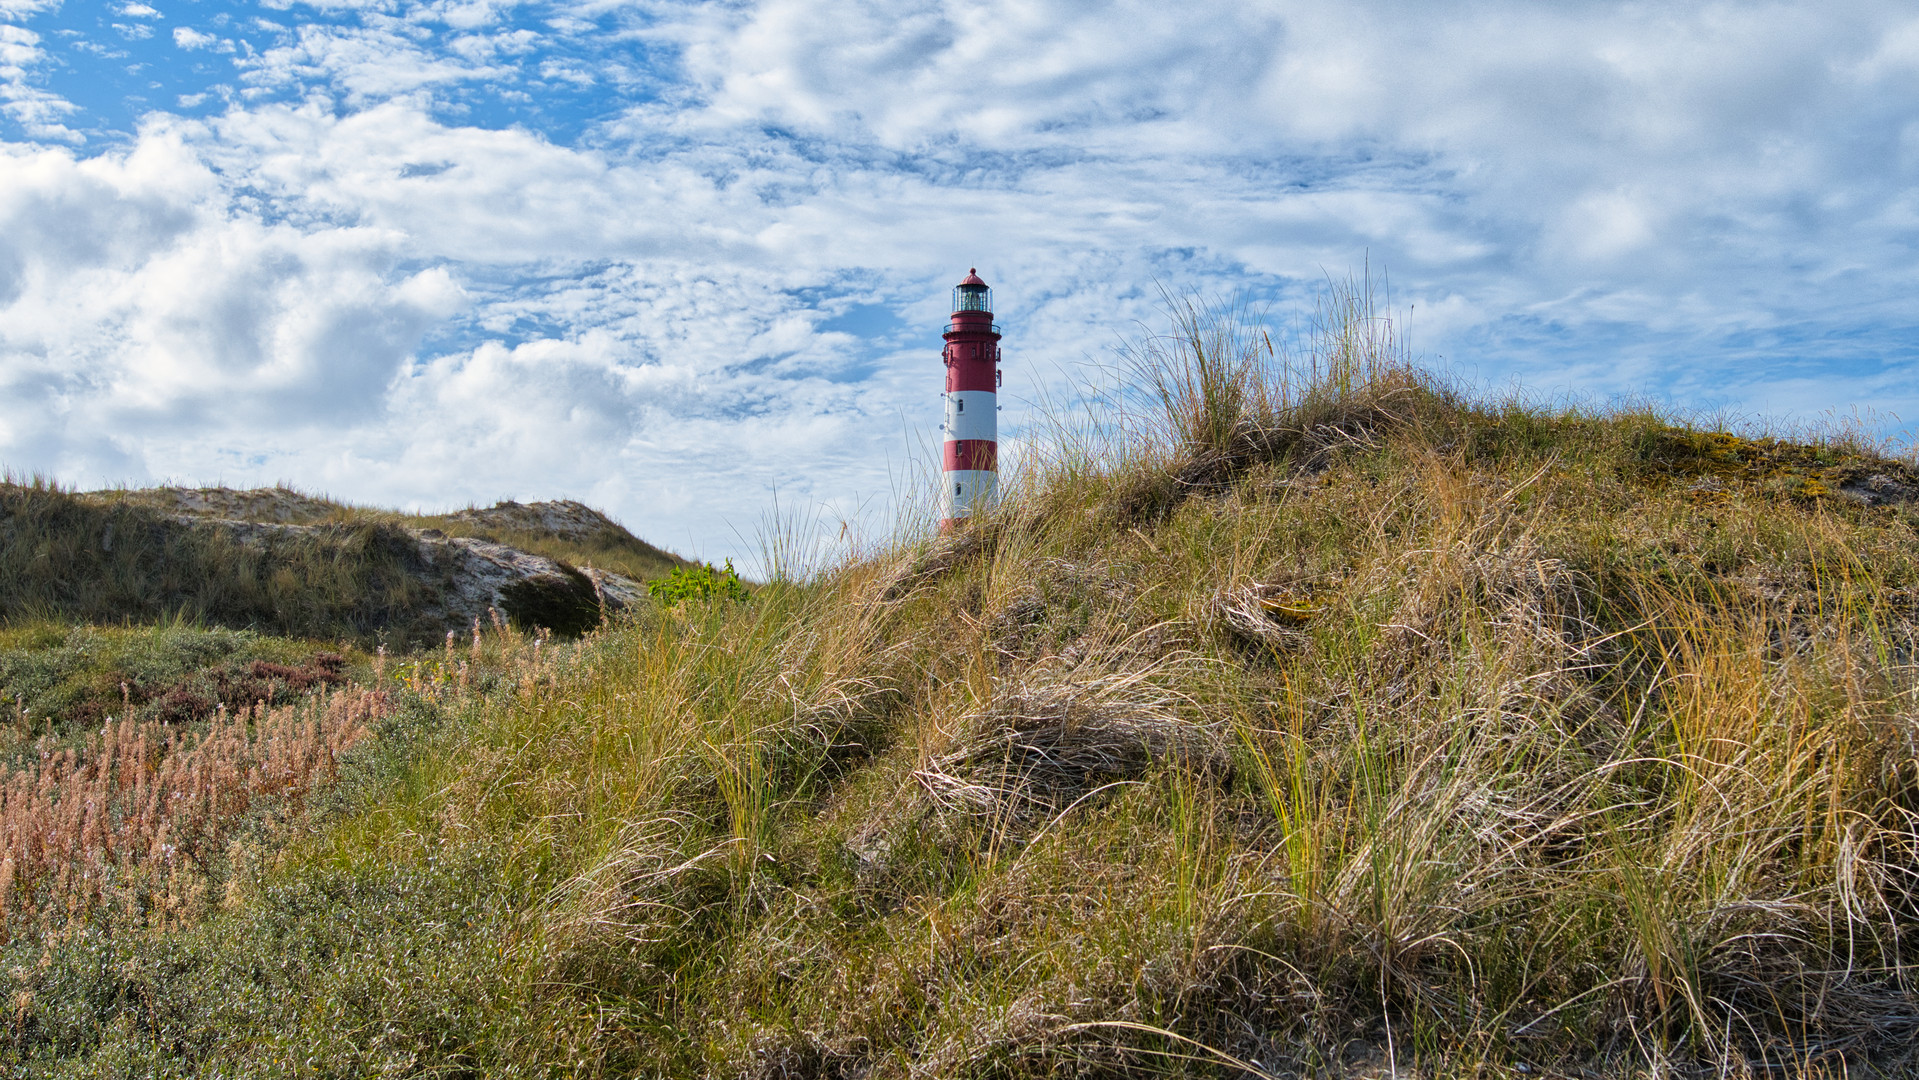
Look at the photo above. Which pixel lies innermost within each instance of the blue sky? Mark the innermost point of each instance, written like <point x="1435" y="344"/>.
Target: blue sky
<point x="672" y="258"/>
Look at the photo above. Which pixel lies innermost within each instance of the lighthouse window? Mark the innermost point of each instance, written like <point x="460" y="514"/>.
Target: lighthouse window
<point x="960" y="405"/>
<point x="956" y="488"/>
<point x="972" y="298"/>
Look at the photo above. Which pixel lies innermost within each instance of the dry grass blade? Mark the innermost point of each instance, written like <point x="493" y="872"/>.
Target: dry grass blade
<point x="1206" y="1053"/>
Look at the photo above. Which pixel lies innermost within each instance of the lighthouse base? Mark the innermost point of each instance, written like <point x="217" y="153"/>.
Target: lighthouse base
<point x="967" y="492"/>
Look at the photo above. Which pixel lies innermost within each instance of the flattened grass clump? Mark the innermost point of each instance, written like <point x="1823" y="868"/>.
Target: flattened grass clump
<point x="1052" y="739"/>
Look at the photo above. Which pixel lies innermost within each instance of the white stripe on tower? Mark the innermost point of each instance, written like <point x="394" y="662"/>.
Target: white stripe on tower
<point x="972" y="414"/>
<point x="968" y="490"/>
<point x="970" y="457"/>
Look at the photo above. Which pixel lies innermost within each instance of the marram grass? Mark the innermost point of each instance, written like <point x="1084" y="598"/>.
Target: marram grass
<point x="1356" y="728"/>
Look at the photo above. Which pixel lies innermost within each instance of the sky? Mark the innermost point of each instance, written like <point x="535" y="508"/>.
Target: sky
<point x="688" y="262"/>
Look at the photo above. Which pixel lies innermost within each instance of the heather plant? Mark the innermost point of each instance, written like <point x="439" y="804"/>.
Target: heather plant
<point x="56" y="678"/>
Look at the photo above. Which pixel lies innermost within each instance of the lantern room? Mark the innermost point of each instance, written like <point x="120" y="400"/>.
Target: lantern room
<point x="972" y="294"/>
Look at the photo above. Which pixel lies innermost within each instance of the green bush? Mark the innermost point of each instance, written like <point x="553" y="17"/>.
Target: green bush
<point x="340" y="971"/>
<point x="701" y="582"/>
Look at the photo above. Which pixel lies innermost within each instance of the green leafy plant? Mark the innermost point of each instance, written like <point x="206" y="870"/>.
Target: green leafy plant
<point x="700" y="582"/>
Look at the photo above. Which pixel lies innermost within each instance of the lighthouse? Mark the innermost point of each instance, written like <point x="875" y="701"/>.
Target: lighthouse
<point x="971" y="460"/>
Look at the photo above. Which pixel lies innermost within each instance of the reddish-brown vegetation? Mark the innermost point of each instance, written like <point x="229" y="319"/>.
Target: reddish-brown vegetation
<point x="235" y="685"/>
<point x="137" y="818"/>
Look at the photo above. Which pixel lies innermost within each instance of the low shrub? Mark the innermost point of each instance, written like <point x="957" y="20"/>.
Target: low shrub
<point x="699" y="582"/>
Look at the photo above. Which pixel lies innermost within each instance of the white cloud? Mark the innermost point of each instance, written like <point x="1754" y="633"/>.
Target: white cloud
<point x="20" y="9"/>
<point x="36" y="110"/>
<point x="467" y="15"/>
<point x="365" y="65"/>
<point x="19" y="52"/>
<point x="136" y="302"/>
<point x="1006" y="73"/>
<point x="173" y="333"/>
<point x="359" y="293"/>
<point x="567" y="72"/>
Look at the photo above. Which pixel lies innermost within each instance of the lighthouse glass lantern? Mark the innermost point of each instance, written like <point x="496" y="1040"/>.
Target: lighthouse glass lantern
<point x="971" y="459"/>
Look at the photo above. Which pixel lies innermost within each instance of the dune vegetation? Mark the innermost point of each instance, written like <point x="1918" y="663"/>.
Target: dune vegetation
<point x="1316" y="718"/>
<point x="316" y="568"/>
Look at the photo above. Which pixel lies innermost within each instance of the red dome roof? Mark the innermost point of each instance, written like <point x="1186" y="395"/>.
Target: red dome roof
<point x="972" y="277"/>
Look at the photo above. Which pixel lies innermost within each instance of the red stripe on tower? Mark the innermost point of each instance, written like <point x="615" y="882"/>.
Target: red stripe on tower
<point x="970" y="464"/>
<point x="971" y="455"/>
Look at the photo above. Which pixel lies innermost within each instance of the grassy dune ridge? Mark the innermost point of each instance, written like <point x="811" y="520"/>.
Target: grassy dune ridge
<point x="1321" y="720"/>
<point x="347" y="572"/>
<point x="590" y="538"/>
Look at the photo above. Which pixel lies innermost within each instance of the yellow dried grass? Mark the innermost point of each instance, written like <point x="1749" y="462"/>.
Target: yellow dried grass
<point x="140" y="815"/>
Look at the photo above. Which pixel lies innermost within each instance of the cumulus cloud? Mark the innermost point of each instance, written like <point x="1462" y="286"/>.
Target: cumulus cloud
<point x="20" y="9"/>
<point x="1013" y="75"/>
<point x="38" y="111"/>
<point x="366" y="65"/>
<point x="188" y="38"/>
<point x="171" y="328"/>
<point x="135" y="300"/>
<point x="726" y="275"/>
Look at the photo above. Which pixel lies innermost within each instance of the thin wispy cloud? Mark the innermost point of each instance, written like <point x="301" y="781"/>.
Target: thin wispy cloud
<point x="672" y="257"/>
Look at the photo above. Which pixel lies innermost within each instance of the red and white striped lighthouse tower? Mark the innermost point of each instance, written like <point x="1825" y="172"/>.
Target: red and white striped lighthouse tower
<point x="971" y="466"/>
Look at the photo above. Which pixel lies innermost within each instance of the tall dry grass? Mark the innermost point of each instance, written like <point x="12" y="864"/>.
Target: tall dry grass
<point x="135" y="822"/>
